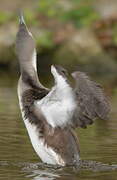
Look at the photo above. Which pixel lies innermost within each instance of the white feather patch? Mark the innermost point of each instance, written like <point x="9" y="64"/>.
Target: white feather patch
<point x="59" y="105"/>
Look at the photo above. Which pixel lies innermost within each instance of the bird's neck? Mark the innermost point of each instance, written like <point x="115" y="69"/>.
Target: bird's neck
<point x="28" y="65"/>
<point x="62" y="87"/>
<point x="61" y="82"/>
<point x="29" y="74"/>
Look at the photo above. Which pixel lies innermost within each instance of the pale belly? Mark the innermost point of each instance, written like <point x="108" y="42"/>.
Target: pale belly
<point x="46" y="154"/>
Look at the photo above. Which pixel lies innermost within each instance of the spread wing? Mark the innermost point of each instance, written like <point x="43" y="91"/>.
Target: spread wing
<point x="91" y="101"/>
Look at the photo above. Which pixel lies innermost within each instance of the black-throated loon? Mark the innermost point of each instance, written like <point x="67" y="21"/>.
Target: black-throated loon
<point x="51" y="116"/>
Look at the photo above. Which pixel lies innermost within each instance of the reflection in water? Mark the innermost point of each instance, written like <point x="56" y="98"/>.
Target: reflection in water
<point x="43" y="175"/>
<point x="41" y="171"/>
<point x="98" y="142"/>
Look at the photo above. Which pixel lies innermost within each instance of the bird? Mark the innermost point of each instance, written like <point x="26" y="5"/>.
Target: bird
<point x="52" y="115"/>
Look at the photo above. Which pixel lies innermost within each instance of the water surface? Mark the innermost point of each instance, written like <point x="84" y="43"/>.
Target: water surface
<point x="18" y="160"/>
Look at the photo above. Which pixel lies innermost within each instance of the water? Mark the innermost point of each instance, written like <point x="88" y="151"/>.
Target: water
<point x="18" y="160"/>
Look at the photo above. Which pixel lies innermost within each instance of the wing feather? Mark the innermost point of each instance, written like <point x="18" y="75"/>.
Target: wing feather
<point x="91" y="100"/>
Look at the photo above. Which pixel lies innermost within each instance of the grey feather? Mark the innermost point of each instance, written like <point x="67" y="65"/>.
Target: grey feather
<point x="91" y="100"/>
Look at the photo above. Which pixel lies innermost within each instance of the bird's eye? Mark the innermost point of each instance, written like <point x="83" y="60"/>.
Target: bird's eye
<point x="63" y="71"/>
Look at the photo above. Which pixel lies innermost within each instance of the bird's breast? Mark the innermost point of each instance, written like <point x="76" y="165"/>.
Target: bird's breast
<point x="57" y="111"/>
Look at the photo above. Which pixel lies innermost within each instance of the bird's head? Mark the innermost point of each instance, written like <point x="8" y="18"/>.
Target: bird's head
<point x="59" y="73"/>
<point x="25" y="45"/>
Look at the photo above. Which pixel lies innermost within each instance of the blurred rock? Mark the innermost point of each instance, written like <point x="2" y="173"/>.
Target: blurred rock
<point x="83" y="52"/>
<point x="14" y="5"/>
<point x="106" y="8"/>
<point x="7" y="39"/>
<point x="91" y="47"/>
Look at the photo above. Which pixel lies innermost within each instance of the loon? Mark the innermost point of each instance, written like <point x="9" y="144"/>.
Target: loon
<point x="51" y="115"/>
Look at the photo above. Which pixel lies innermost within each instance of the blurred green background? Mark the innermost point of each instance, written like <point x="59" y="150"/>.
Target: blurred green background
<point x="78" y="34"/>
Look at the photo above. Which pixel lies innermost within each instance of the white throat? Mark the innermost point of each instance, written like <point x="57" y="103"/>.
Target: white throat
<point x="60" y="81"/>
<point x="62" y="85"/>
